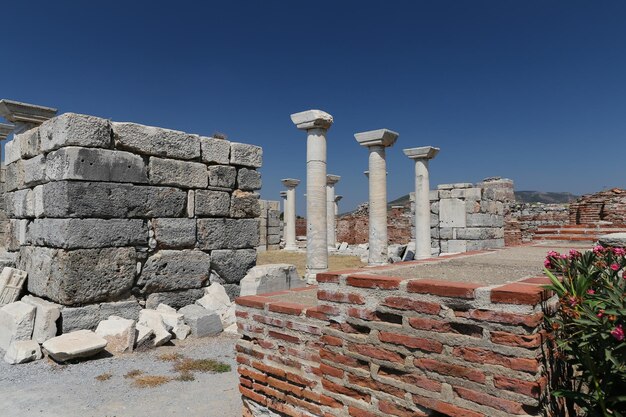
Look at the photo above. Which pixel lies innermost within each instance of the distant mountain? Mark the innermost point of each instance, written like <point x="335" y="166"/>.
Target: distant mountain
<point x="544" y="197"/>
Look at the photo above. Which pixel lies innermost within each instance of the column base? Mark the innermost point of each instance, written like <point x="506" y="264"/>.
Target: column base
<point x="311" y="275"/>
<point x="291" y="248"/>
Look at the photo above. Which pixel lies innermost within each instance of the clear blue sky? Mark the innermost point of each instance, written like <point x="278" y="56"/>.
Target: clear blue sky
<point x="530" y="90"/>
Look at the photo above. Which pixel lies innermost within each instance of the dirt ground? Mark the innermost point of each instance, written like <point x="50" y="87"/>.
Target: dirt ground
<point x="335" y="262"/>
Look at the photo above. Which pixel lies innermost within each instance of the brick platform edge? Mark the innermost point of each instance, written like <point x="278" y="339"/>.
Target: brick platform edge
<point x="385" y="346"/>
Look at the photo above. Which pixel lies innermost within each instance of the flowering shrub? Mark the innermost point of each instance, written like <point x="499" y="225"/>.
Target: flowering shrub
<point x="589" y="330"/>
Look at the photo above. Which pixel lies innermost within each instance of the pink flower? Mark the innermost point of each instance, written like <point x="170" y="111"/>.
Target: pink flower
<point x="547" y="263"/>
<point x="591" y="291"/>
<point x="619" y="251"/>
<point x="572" y="301"/>
<point x="600" y="314"/>
<point x="598" y="248"/>
<point x="618" y="333"/>
<point x="564" y="256"/>
<point x="615" y="267"/>
<point x="574" y="253"/>
<point x="553" y="254"/>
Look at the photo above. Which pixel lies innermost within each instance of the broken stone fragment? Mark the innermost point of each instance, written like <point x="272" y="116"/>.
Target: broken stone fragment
<point x="46" y="317"/>
<point x="216" y="300"/>
<point x="174" y="320"/>
<point x="201" y="321"/>
<point x="270" y="278"/>
<point x="119" y="334"/>
<point x="16" y="323"/>
<point x="153" y="320"/>
<point x="22" y="351"/>
<point x="74" y="345"/>
<point x="143" y="335"/>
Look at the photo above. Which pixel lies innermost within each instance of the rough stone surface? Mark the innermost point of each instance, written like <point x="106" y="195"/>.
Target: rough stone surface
<point x="175" y="299"/>
<point x="58" y="274"/>
<point x="244" y="204"/>
<point x="143" y="335"/>
<point x="22" y="351"/>
<point x="174" y="233"/>
<point x="11" y="284"/>
<point x="202" y="322"/>
<point x="16" y="323"/>
<point x="178" y="173"/>
<point x="156" y="141"/>
<point x="88" y="317"/>
<point x="246" y="155"/>
<point x="170" y="270"/>
<point x="120" y="334"/>
<point x="248" y="179"/>
<point x="215" y="150"/>
<point x="228" y="233"/>
<point x="27" y="143"/>
<point x="89" y="164"/>
<point x="174" y="320"/>
<point x="74" y="345"/>
<point x="222" y="176"/>
<point x="217" y="301"/>
<point x="616" y="240"/>
<point x="233" y="265"/>
<point x="270" y="278"/>
<point x="212" y="203"/>
<point x="34" y="171"/>
<point x="153" y="320"/>
<point x="72" y="129"/>
<point x="46" y="317"/>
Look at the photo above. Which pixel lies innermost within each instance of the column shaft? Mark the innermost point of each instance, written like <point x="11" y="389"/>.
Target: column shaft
<point x="377" y="206"/>
<point x="317" y="242"/>
<point x="422" y="210"/>
<point x="290" y="219"/>
<point x="330" y="216"/>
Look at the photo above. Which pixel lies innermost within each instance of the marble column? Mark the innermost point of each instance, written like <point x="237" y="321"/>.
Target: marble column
<point x="316" y="123"/>
<point x="331" y="180"/>
<point x="337" y="200"/>
<point x="421" y="156"/>
<point x="376" y="141"/>
<point x="290" y="213"/>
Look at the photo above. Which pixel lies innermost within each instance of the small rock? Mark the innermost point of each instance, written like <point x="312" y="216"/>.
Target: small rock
<point x="119" y="334"/>
<point x="217" y="300"/>
<point x="74" y="345"/>
<point x="153" y="320"/>
<point x="202" y="322"/>
<point x="16" y="323"/>
<point x="22" y="351"/>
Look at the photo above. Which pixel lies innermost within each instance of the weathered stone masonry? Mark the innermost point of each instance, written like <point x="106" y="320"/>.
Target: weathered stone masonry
<point x="105" y="212"/>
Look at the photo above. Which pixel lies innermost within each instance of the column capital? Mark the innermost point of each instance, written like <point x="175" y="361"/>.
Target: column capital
<point x="290" y="182"/>
<point x="379" y="137"/>
<point x="338" y="198"/>
<point x="17" y="112"/>
<point x="5" y="130"/>
<point x="423" y="152"/>
<point x="312" y="119"/>
<point x="332" y="179"/>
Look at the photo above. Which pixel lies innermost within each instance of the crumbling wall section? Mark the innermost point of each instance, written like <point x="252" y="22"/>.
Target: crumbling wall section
<point x="353" y="228"/>
<point x="105" y="212"/>
<point x="605" y="207"/>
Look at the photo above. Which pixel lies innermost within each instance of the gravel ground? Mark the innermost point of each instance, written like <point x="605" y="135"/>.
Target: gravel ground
<point x="44" y="388"/>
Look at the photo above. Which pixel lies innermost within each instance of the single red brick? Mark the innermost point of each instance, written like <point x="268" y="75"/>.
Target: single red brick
<point x="245" y="327"/>
<point x="423" y="323"/>
<point x="375" y="385"/>
<point x="302" y="327"/>
<point x="254" y="396"/>
<point x="530" y="388"/>
<point x="529" y="320"/>
<point x="427" y="345"/>
<point x="283" y="407"/>
<point x="478" y="355"/>
<point x="330" y="402"/>
<point x="268" y="320"/>
<point x="402" y="303"/>
<point x="269" y="391"/>
<point x="376" y="353"/>
<point x="314" y="313"/>
<point x="245" y="382"/>
<point x="362" y="314"/>
<point x="253" y="301"/>
<point x="340" y="297"/>
<point x="373" y="281"/>
<point x="257" y="376"/>
<point x="515" y="293"/>
<point x="313" y="408"/>
<point x="328" y="310"/>
<point x="286" y="337"/>
<point x="331" y="371"/>
<point x="338" y="358"/>
<point x="328" y="277"/>
<point x="390" y="408"/>
<point x="284" y="386"/>
<point x="331" y="340"/>
<point x="266" y="344"/>
<point x="250" y="351"/>
<point x="242" y="314"/>
<point x="340" y="389"/>
<point x="286" y="308"/>
<point x="242" y="360"/>
<point x="450" y="369"/>
<point x="411" y="378"/>
<point x="518" y="340"/>
<point x="444" y="408"/>
<point x="298" y="379"/>
<point x="357" y="412"/>
<point x="443" y="288"/>
<point x="507" y="406"/>
<point x="269" y="369"/>
<point x="537" y="280"/>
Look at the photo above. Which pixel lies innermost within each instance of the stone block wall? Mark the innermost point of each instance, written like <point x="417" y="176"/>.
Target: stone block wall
<point x="523" y="219"/>
<point x="4" y="220"/>
<point x="270" y="225"/>
<point x="105" y="212"/>
<point x="377" y="346"/>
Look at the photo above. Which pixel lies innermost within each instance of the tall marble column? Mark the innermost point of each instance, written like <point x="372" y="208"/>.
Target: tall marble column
<point x="290" y="213"/>
<point x="331" y="180"/>
<point x="421" y="156"/>
<point x="316" y="123"/>
<point x="376" y="141"/>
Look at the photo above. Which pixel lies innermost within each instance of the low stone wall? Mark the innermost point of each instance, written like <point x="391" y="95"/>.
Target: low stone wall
<point x="523" y="219"/>
<point x="379" y="346"/>
<point x="106" y="212"/>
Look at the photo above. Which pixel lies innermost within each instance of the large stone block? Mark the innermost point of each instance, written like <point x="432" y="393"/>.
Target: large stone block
<point x="485" y="244"/>
<point x="20" y="204"/>
<point x="88" y="233"/>
<point x="88" y="164"/>
<point x="222" y="176"/>
<point x="246" y="155"/>
<point x="244" y="204"/>
<point x="14" y="176"/>
<point x="109" y="200"/>
<point x="75" y="345"/>
<point x="27" y="143"/>
<point x="248" y="179"/>
<point x="212" y="203"/>
<point x="233" y="265"/>
<point x="78" y="276"/>
<point x="228" y="233"/>
<point x="485" y="220"/>
<point x="215" y="150"/>
<point x="270" y="278"/>
<point x="22" y="351"/>
<point x="156" y="141"/>
<point x="12" y="152"/>
<point x="46" y="317"/>
<point x="88" y="317"/>
<point x="480" y="233"/>
<point x="119" y="334"/>
<point x="451" y="213"/>
<point x="201" y="321"/>
<point x="72" y="129"/>
<point x="17" y="234"/>
<point x="34" y="171"/>
<point x="16" y="323"/>
<point x="178" y="173"/>
<point x="174" y="233"/>
<point x="170" y="270"/>
<point x="175" y="299"/>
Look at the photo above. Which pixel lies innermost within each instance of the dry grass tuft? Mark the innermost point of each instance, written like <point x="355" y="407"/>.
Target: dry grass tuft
<point x="185" y="376"/>
<point x="133" y="374"/>
<point x="151" y="381"/>
<point x="170" y="357"/>
<point x="104" y="377"/>
<point x="201" y="365"/>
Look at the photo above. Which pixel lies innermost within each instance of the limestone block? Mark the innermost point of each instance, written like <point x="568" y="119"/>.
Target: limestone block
<point x="175" y="321"/>
<point x="46" y="316"/>
<point x="434" y="220"/>
<point x="484" y="220"/>
<point x="244" y="204"/>
<point x="12" y="151"/>
<point x="71" y="277"/>
<point x="217" y="301"/>
<point x="72" y="129"/>
<point x="228" y="233"/>
<point x="178" y="173"/>
<point x="445" y="186"/>
<point x="88" y="317"/>
<point x="156" y="141"/>
<point x="472" y="206"/>
<point x="143" y="335"/>
<point x="212" y="203"/>
<point x="17" y="234"/>
<point x="74" y="345"/>
<point x="14" y="176"/>
<point x="16" y="323"/>
<point x="273" y="219"/>
<point x="480" y="233"/>
<point x="497" y="194"/>
<point x="88" y="233"/>
<point x="452" y="213"/>
<point x="467" y="193"/>
<point x="176" y="299"/>
<point x="153" y="320"/>
<point x="485" y="244"/>
<point x="11" y="284"/>
<point x="273" y="239"/>
<point x="233" y="265"/>
<point x="120" y="334"/>
<point x="447" y="233"/>
<point x="246" y="155"/>
<point x="270" y="278"/>
<point x="34" y="171"/>
<point x="89" y="164"/>
<point x="109" y="200"/>
<point x="28" y="143"/>
<point x="22" y="351"/>
<point x="20" y="204"/>
<point x="434" y="207"/>
<point x="248" y="179"/>
<point x="191" y="204"/>
<point x="615" y="240"/>
<point x="170" y="270"/>
<point x="455" y="246"/>
<point x="201" y="321"/>
<point x="174" y="233"/>
<point x="215" y="150"/>
<point x="222" y="176"/>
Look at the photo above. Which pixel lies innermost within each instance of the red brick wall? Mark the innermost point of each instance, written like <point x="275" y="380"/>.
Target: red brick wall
<point x="380" y="346"/>
<point x="354" y="229"/>
<point x="605" y="206"/>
